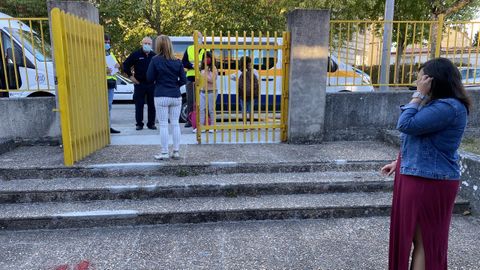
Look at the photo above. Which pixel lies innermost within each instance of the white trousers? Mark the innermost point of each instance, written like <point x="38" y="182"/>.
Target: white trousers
<point x="168" y="108"/>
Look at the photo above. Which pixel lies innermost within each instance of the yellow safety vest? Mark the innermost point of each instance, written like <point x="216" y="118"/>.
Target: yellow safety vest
<point x="113" y="77"/>
<point x="191" y="59"/>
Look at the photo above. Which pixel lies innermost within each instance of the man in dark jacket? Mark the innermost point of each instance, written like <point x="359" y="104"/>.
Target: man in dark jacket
<point x="135" y="66"/>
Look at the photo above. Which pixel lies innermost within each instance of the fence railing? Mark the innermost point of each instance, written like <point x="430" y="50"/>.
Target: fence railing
<point x="247" y="100"/>
<point x="82" y="89"/>
<point x="357" y="46"/>
<point x="26" y="67"/>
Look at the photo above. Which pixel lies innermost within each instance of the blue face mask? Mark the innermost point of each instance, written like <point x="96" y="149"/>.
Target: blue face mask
<point x="107" y="46"/>
<point x="146" y="48"/>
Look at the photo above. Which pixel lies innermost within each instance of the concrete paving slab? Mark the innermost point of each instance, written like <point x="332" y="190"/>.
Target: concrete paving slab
<point x="52" y="156"/>
<point x="354" y="243"/>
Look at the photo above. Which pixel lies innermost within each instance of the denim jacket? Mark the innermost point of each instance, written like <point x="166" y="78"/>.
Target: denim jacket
<point x="431" y="136"/>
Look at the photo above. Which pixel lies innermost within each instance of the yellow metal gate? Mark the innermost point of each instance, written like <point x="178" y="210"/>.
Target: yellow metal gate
<point x="241" y="114"/>
<point x="82" y="90"/>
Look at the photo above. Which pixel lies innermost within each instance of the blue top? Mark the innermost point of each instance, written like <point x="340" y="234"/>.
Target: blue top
<point x="140" y="61"/>
<point x="168" y="76"/>
<point x="431" y="136"/>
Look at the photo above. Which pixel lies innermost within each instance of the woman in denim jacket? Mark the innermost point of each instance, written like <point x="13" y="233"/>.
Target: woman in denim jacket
<point x="427" y="169"/>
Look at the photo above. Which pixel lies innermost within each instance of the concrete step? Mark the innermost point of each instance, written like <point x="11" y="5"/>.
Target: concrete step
<point x="340" y="243"/>
<point x="227" y="185"/>
<point x="146" y="169"/>
<point x="196" y="210"/>
<point x="6" y="145"/>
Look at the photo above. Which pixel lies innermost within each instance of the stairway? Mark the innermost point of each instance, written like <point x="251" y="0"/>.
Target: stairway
<point x="125" y="196"/>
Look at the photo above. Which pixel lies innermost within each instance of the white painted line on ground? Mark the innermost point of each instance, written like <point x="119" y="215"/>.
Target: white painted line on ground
<point x="132" y="164"/>
<point x="100" y="213"/>
<point x="223" y="163"/>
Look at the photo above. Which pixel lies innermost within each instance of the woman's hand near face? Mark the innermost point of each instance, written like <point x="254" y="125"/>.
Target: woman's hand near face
<point x="424" y="84"/>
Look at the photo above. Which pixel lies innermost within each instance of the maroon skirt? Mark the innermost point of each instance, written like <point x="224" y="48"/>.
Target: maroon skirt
<point x="427" y="203"/>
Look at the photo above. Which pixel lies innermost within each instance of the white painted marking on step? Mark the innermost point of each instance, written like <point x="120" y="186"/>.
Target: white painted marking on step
<point x="223" y="163"/>
<point x="150" y="187"/>
<point x="122" y="188"/>
<point x="340" y="161"/>
<point x="100" y="213"/>
<point x="119" y="165"/>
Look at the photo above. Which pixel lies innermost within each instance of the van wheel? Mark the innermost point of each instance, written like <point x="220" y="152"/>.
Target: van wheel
<point x="183" y="111"/>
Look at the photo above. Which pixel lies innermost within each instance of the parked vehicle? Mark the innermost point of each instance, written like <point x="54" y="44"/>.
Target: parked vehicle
<point x="470" y="77"/>
<point x="26" y="60"/>
<point x="124" y="89"/>
<point x="268" y="63"/>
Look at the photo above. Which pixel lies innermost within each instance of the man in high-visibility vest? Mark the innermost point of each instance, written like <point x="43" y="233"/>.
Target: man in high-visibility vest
<point x="112" y="69"/>
<point x="188" y="63"/>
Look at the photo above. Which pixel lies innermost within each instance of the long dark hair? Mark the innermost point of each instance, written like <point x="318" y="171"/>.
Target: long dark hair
<point x="204" y="58"/>
<point x="447" y="81"/>
<point x="247" y="61"/>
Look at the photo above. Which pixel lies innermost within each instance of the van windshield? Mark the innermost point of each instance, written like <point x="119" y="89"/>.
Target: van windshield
<point x="32" y="42"/>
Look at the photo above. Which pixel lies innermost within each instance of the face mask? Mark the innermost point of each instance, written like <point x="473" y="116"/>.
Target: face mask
<point x="107" y="46"/>
<point x="146" y="48"/>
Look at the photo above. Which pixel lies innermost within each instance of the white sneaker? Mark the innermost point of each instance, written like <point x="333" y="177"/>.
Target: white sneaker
<point x="175" y="155"/>
<point x="194" y="130"/>
<point x="211" y="131"/>
<point x="162" y="156"/>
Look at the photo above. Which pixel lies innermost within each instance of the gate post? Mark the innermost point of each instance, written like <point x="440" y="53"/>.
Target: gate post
<point x="309" y="35"/>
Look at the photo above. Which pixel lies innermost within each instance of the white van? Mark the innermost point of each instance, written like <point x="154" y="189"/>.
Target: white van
<point x="268" y="63"/>
<point x="29" y="66"/>
<point x="25" y="59"/>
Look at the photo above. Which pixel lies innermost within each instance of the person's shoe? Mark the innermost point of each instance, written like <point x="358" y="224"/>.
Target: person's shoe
<point x="114" y="131"/>
<point x="194" y="130"/>
<point x="211" y="131"/>
<point x="162" y="156"/>
<point x="175" y="155"/>
<point x="188" y="124"/>
<point x="139" y="128"/>
<point x="152" y="127"/>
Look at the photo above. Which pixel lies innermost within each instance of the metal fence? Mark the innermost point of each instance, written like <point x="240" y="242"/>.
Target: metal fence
<point x="82" y="90"/>
<point x="240" y="113"/>
<point x="26" y="67"/>
<point x="357" y="46"/>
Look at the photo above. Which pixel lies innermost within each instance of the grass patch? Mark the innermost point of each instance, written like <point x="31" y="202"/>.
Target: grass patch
<point x="471" y="145"/>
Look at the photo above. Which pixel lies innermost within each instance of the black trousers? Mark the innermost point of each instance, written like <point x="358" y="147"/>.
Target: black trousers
<point x="142" y="93"/>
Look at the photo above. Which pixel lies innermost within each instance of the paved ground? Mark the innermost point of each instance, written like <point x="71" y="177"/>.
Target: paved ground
<point x="360" y="243"/>
<point x="357" y="243"/>
<point x="123" y="119"/>
<point x="138" y="155"/>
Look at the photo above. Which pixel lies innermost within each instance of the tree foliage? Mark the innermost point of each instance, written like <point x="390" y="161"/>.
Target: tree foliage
<point x="127" y="21"/>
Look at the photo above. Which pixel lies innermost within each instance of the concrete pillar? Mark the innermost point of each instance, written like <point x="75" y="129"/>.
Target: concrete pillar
<point x="309" y="32"/>
<point x="81" y="9"/>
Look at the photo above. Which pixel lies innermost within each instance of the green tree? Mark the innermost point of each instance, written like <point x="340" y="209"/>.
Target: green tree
<point x="475" y="40"/>
<point x="24" y="8"/>
<point x="424" y="10"/>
